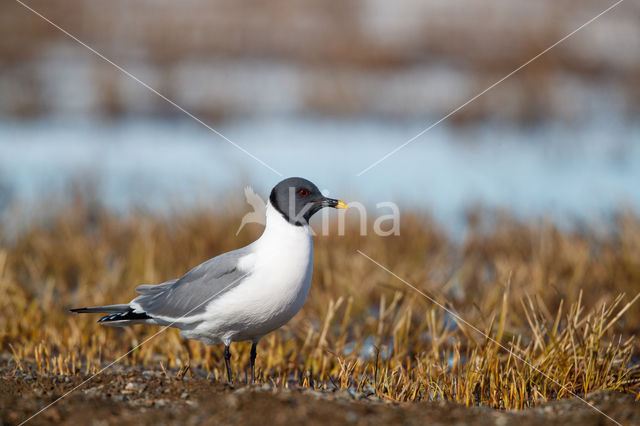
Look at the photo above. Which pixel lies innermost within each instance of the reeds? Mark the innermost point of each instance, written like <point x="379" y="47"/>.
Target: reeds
<point x="556" y="307"/>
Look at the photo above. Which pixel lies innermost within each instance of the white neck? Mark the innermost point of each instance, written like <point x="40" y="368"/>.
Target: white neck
<point x="279" y="227"/>
<point x="283" y="239"/>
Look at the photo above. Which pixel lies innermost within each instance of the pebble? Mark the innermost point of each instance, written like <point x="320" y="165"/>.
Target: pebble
<point x="160" y="402"/>
<point x="93" y="390"/>
<point x="150" y="374"/>
<point x="232" y="401"/>
<point x="343" y="394"/>
<point x="359" y="395"/>
<point x="314" y="393"/>
<point x="132" y="387"/>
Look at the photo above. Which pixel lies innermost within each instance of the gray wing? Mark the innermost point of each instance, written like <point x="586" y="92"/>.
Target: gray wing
<point x="191" y="294"/>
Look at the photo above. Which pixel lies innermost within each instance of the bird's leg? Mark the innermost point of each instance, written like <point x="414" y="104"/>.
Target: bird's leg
<point x="227" y="362"/>
<point x="254" y="346"/>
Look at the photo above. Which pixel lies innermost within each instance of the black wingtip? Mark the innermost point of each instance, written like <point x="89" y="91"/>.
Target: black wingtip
<point x="124" y="316"/>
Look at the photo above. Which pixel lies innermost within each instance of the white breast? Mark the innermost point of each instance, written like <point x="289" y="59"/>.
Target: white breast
<point x="280" y="262"/>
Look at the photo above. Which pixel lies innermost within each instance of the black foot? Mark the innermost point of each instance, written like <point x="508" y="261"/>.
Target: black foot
<point x="227" y="362"/>
<point x="253" y="361"/>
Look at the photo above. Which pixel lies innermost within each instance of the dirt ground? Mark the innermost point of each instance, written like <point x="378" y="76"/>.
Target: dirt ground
<point x="126" y="396"/>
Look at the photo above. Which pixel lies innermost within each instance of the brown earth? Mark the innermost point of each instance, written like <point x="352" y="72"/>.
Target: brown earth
<point x="134" y="396"/>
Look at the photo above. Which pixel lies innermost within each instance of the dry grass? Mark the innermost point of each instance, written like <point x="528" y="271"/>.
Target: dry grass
<point x="561" y="300"/>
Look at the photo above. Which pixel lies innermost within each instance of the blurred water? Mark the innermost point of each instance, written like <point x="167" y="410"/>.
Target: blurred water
<point x="584" y="172"/>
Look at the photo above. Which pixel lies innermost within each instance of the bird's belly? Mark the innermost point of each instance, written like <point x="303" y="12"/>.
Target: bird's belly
<point x="266" y="310"/>
<point x="266" y="301"/>
<point x="267" y="317"/>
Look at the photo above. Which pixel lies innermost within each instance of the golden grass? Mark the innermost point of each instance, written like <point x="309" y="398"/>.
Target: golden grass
<point x="556" y="298"/>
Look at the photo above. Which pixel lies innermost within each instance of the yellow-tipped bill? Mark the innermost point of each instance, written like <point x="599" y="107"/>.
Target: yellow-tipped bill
<point x="341" y="205"/>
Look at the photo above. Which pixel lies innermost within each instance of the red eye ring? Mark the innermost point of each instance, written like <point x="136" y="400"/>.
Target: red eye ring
<point x="303" y="192"/>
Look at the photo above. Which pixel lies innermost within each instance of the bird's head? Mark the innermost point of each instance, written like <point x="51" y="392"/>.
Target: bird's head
<point x="298" y="199"/>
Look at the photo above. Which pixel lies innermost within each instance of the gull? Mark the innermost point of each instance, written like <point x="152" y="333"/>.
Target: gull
<point x="241" y="295"/>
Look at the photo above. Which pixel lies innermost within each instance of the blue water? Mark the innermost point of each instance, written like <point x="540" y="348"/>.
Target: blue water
<point x="564" y="172"/>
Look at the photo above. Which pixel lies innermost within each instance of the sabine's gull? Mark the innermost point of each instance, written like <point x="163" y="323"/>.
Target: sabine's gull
<point x="244" y="294"/>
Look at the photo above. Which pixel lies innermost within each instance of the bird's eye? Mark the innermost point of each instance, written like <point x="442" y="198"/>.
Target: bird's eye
<point x="303" y="192"/>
